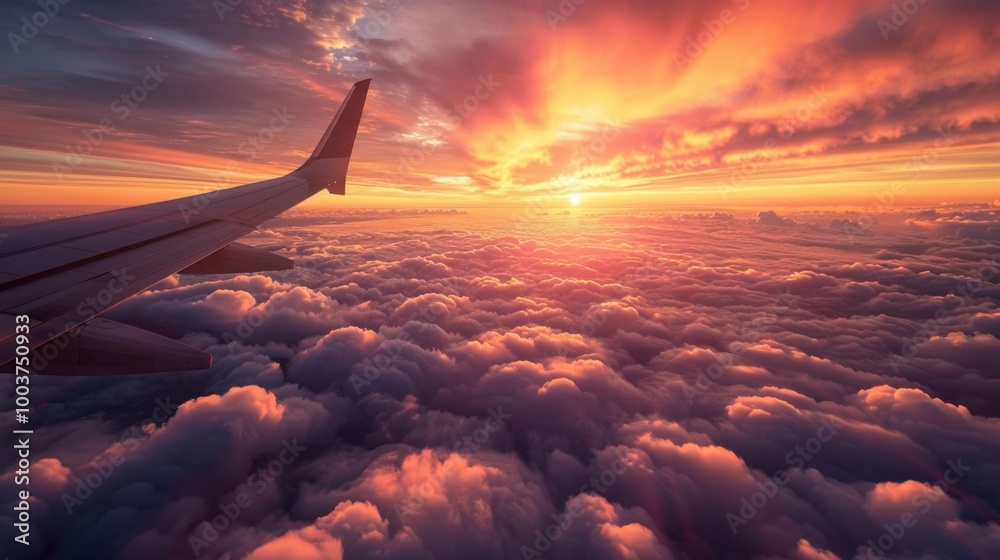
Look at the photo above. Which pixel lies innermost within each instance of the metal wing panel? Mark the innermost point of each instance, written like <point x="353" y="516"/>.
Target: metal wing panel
<point x="116" y="272"/>
<point x="65" y="272"/>
<point x="31" y="236"/>
<point x="105" y="347"/>
<point x="76" y="303"/>
<point x="74" y="276"/>
<point x="40" y="260"/>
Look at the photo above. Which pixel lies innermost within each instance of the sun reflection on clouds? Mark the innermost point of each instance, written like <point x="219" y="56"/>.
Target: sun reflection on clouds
<point x="690" y="353"/>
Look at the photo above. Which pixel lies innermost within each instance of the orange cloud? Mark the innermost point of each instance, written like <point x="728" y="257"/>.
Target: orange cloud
<point x="721" y="102"/>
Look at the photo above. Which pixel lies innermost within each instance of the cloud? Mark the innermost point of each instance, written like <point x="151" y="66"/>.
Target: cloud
<point x="771" y="218"/>
<point x="625" y="387"/>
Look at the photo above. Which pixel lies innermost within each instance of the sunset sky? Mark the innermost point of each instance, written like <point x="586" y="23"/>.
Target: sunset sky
<point x="704" y="280"/>
<point x="626" y="103"/>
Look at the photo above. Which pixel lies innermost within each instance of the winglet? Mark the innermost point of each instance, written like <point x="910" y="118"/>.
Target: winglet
<point x="327" y="167"/>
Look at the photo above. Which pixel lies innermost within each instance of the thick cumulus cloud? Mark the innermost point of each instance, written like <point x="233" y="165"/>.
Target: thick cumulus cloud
<point x="593" y="385"/>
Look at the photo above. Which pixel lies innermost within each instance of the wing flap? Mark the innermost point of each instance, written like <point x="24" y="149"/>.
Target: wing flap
<point x="104" y="347"/>
<point x="237" y="257"/>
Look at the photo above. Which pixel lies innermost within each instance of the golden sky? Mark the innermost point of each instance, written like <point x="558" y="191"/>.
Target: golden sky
<point x="636" y="103"/>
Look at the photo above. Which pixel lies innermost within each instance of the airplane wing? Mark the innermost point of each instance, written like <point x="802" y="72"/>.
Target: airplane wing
<point x="57" y="277"/>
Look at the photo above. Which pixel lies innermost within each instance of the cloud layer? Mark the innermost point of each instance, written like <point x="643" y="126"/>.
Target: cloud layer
<point x="590" y="385"/>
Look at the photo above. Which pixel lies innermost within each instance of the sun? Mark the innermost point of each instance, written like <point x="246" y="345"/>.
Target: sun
<point x="575" y="199"/>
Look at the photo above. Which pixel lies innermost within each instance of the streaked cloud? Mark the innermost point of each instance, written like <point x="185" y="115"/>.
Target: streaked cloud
<point x="819" y="102"/>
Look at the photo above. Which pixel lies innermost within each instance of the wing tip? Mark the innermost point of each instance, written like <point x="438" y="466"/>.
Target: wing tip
<point x="327" y="167"/>
<point x="339" y="138"/>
